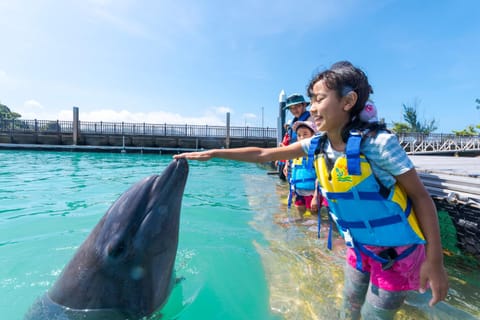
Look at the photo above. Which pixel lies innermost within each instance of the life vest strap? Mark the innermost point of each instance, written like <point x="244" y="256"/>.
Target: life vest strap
<point x="311" y="152"/>
<point x="330" y="232"/>
<point x="387" y="257"/>
<point x="349" y="195"/>
<point x="293" y="181"/>
<point x="372" y="223"/>
<point x="376" y="222"/>
<point x="352" y="151"/>
<point x="290" y="195"/>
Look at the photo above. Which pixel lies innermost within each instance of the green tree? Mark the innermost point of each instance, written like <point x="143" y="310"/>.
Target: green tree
<point x="412" y="122"/>
<point x="471" y="130"/>
<point x="400" y="127"/>
<point x="468" y="131"/>
<point x="478" y="108"/>
<point x="6" y="113"/>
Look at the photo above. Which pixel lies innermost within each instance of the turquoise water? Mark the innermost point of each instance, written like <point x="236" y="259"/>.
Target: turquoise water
<point x="237" y="260"/>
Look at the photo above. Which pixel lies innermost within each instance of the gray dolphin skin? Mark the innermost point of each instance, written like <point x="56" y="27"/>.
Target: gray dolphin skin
<point x="125" y="268"/>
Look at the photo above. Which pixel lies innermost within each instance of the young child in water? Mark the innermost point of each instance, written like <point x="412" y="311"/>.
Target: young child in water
<point x="302" y="176"/>
<point x="379" y="203"/>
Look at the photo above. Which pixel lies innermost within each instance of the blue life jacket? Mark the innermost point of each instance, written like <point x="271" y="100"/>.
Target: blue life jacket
<point x="301" y="177"/>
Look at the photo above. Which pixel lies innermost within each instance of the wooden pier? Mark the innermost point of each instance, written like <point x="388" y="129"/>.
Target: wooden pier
<point x="454" y="184"/>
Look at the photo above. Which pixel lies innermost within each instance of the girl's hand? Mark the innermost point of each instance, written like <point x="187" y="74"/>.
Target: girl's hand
<point x="434" y="274"/>
<point x="200" y="156"/>
<point x="314" y="204"/>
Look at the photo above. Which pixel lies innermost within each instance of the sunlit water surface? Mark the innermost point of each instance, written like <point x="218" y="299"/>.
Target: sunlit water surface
<point x="238" y="258"/>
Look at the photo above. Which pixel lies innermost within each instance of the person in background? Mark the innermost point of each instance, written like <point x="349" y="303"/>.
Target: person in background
<point x="297" y="105"/>
<point x="380" y="205"/>
<point x="302" y="178"/>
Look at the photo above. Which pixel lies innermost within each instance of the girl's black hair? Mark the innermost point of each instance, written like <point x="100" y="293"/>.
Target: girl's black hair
<point x="343" y="77"/>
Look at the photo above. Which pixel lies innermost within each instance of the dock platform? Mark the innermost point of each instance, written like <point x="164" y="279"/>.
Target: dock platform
<point x="454" y="184"/>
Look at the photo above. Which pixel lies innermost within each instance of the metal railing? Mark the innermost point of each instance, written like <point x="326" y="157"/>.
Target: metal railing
<point x="124" y="128"/>
<point x="415" y="143"/>
<point x="411" y="142"/>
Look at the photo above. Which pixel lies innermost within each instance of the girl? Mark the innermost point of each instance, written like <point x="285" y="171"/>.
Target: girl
<point x="381" y="265"/>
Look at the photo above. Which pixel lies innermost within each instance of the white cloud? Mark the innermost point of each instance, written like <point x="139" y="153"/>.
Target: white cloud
<point x="32" y="109"/>
<point x="214" y="116"/>
<point x="32" y="104"/>
<point x="249" y="119"/>
<point x="109" y="115"/>
<point x="222" y="110"/>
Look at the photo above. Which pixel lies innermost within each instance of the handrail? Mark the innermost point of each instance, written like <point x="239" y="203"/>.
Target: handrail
<point x="411" y="142"/>
<point x="417" y="143"/>
<point x="125" y="128"/>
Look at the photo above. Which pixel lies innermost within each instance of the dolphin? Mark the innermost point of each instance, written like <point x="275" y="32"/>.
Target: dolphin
<point x="125" y="267"/>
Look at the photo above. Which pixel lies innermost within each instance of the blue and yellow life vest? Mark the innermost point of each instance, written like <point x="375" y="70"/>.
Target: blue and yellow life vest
<point x="302" y="177"/>
<point x="365" y="212"/>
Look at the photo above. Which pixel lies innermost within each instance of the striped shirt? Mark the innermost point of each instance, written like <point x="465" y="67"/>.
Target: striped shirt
<point x="384" y="153"/>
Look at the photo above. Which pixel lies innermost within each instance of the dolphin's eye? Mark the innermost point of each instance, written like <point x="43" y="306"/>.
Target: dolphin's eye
<point x="117" y="250"/>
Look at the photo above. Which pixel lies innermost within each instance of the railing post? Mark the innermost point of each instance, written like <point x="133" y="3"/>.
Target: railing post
<point x="227" y="138"/>
<point x="75" y="126"/>
<point x="36" y="125"/>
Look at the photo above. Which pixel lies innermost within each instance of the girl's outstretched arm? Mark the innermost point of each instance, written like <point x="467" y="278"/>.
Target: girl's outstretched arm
<point x="247" y="154"/>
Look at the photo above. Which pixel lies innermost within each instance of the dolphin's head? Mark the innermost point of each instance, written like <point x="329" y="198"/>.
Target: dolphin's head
<point x="127" y="261"/>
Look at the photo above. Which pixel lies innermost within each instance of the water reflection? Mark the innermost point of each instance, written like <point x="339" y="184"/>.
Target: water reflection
<point x="306" y="279"/>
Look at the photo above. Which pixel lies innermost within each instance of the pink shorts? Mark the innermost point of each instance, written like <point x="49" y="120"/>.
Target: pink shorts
<point x="403" y="275"/>
<point x="304" y="201"/>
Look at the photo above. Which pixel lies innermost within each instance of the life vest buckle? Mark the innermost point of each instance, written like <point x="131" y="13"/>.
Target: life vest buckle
<point x="390" y="256"/>
<point x="348" y="238"/>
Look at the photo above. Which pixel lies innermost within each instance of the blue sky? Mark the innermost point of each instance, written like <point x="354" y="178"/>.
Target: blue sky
<point x="191" y="61"/>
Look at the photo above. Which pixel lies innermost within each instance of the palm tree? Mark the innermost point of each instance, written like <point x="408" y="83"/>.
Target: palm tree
<point x="412" y="122"/>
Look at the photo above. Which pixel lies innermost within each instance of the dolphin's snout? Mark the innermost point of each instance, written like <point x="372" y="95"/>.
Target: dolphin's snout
<point x="181" y="163"/>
